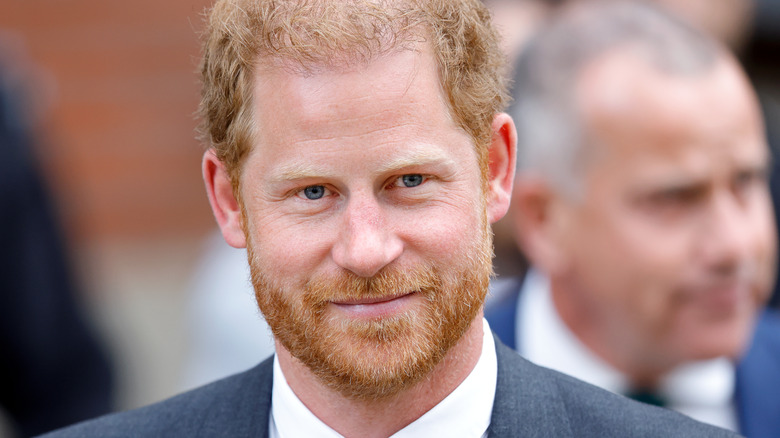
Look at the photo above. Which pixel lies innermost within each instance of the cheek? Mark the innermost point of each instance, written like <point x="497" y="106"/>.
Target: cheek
<point x="612" y="240"/>
<point x="442" y="232"/>
<point x="655" y="263"/>
<point x="628" y="263"/>
<point x="287" y="246"/>
<point x="296" y="247"/>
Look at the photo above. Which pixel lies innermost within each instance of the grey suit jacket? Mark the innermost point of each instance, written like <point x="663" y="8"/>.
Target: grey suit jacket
<point x="530" y="402"/>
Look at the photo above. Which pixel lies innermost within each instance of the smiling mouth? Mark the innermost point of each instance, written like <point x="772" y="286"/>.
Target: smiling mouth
<point x="372" y="300"/>
<point x="376" y="307"/>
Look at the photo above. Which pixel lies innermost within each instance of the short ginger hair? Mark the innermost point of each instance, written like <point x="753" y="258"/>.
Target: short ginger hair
<point x="307" y="35"/>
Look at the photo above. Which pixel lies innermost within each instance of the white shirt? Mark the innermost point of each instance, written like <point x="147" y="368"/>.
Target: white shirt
<point x="464" y="413"/>
<point x="702" y="390"/>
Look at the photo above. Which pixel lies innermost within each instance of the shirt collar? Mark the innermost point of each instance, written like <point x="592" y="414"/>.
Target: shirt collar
<point x="465" y="412"/>
<point x="545" y="339"/>
<point x="703" y="390"/>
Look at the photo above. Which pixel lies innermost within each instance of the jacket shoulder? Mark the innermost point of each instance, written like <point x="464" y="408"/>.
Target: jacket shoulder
<point x="758" y="377"/>
<point x="234" y="406"/>
<point x="538" y="402"/>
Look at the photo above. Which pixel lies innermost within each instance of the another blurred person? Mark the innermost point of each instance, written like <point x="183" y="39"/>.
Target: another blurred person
<point x="52" y="369"/>
<point x="641" y="201"/>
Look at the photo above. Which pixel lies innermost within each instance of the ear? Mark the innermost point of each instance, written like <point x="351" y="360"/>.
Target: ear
<point x="538" y="223"/>
<point x="223" y="202"/>
<point x="501" y="166"/>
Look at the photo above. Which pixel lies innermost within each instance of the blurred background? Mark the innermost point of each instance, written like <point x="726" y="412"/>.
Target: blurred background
<point x="109" y="92"/>
<point x="109" y="100"/>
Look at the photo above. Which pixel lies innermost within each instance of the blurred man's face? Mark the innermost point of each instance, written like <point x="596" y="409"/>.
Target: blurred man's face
<point x="365" y="217"/>
<point x="671" y="248"/>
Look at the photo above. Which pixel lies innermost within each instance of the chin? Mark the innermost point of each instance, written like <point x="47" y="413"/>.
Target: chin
<point x="724" y="340"/>
<point x="706" y="332"/>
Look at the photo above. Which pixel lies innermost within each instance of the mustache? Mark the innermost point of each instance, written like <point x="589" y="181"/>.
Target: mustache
<point x="746" y="271"/>
<point x="751" y="274"/>
<point x="346" y="286"/>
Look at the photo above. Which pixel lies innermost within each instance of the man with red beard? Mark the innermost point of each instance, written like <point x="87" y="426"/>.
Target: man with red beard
<point x="358" y="150"/>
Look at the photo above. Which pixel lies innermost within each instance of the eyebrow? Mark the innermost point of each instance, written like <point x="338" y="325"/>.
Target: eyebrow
<point x="298" y="171"/>
<point x="417" y="158"/>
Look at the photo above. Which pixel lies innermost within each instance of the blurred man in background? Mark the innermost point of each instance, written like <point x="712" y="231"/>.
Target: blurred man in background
<point x="642" y="204"/>
<point x="747" y="27"/>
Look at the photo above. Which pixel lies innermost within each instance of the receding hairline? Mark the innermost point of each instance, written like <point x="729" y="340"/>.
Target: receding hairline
<point x="634" y="85"/>
<point x="622" y="64"/>
<point x="551" y="143"/>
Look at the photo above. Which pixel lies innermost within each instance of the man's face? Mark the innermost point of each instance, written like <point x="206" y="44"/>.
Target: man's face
<point x="672" y="246"/>
<point x="365" y="221"/>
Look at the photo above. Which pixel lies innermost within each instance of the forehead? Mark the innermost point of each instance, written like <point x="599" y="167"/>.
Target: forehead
<point x="395" y="101"/>
<point x="325" y="101"/>
<point x="631" y="109"/>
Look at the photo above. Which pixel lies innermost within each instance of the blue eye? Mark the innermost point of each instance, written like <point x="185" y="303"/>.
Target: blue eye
<point x="314" y="192"/>
<point x="412" y="180"/>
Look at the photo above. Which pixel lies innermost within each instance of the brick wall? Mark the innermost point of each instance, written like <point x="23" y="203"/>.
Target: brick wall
<point x="119" y="144"/>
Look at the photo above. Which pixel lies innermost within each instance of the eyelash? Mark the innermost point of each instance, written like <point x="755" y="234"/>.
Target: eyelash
<point x="398" y="181"/>
<point x="395" y="183"/>
<point x="301" y="193"/>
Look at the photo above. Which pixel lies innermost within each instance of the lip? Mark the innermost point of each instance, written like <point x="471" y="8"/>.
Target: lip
<point x="721" y="298"/>
<point x="371" y="300"/>
<point x="372" y="307"/>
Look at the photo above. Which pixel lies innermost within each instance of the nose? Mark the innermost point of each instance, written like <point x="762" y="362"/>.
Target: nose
<point x="728" y="238"/>
<point x="366" y="241"/>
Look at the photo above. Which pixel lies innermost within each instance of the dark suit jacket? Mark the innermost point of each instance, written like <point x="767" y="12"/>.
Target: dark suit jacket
<point x="530" y="402"/>
<point x="757" y="395"/>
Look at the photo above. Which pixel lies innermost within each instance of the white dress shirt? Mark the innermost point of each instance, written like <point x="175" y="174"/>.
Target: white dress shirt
<point x="464" y="413"/>
<point x="702" y="390"/>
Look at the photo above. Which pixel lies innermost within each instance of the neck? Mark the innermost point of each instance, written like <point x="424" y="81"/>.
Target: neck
<point x="612" y="341"/>
<point x="371" y="419"/>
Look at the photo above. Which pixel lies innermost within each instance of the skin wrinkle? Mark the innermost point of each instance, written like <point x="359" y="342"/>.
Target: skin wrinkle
<point x="420" y="193"/>
<point x="422" y="156"/>
<point x="355" y="121"/>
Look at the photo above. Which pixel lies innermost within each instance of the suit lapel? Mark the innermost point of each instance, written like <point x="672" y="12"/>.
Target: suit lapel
<point x="527" y="403"/>
<point x="246" y="410"/>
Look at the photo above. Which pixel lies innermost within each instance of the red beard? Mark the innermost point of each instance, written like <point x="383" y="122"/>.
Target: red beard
<point x="375" y="358"/>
